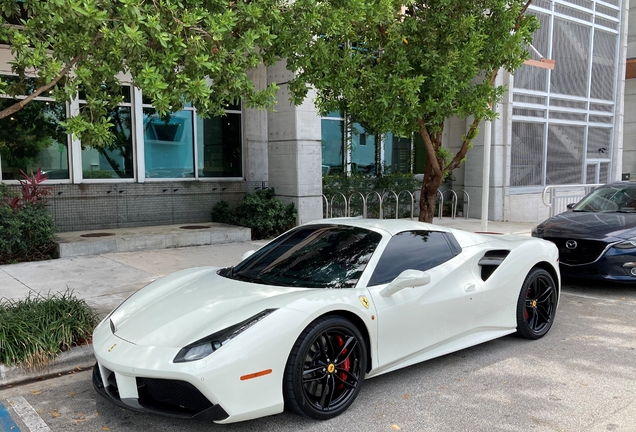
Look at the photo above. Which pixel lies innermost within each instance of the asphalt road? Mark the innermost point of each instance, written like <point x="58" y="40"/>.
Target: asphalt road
<point x="580" y="377"/>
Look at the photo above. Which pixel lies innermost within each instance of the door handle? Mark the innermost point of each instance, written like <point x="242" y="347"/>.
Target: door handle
<point x="470" y="287"/>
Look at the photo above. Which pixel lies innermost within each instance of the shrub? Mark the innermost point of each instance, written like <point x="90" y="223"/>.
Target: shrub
<point x="26" y="227"/>
<point x="35" y="329"/>
<point x="261" y="211"/>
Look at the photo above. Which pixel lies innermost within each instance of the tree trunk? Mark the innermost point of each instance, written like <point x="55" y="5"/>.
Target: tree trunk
<point x="428" y="194"/>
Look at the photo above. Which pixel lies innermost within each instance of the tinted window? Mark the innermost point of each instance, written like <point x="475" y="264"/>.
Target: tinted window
<point x="609" y="199"/>
<point x="316" y="256"/>
<point x="411" y="250"/>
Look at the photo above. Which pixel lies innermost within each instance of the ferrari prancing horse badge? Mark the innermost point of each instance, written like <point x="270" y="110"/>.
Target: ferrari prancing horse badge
<point x="365" y="301"/>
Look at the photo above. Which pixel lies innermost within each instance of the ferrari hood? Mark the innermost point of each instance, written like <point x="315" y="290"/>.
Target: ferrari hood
<point x="188" y="305"/>
<point x="589" y="225"/>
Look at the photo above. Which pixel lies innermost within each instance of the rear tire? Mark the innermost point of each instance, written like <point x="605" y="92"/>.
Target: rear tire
<point x="325" y="369"/>
<point x="536" y="307"/>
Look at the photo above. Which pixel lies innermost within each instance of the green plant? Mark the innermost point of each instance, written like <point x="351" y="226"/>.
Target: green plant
<point x="94" y="174"/>
<point x="261" y="211"/>
<point x="35" y="329"/>
<point x="221" y="212"/>
<point x="26" y="227"/>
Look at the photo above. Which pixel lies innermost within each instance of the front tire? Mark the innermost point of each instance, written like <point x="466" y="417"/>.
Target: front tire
<point x="536" y="307"/>
<point x="325" y="369"/>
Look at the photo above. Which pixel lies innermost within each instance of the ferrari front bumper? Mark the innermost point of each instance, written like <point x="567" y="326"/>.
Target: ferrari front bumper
<point x="161" y="398"/>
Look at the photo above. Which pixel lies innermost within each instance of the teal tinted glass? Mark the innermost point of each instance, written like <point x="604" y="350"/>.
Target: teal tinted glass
<point x="362" y="150"/>
<point x="332" y="146"/>
<point x="168" y="144"/>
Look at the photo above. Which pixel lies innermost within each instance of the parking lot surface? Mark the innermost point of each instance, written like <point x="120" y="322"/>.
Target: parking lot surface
<point x="580" y="377"/>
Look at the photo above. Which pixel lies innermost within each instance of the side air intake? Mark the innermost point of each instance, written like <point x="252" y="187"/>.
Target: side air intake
<point x="490" y="261"/>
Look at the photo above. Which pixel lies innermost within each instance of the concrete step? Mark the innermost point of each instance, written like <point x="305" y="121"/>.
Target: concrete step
<point x="77" y="243"/>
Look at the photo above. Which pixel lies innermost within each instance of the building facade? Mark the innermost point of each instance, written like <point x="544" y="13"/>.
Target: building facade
<point x="561" y="126"/>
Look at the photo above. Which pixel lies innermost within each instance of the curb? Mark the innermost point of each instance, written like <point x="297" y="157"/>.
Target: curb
<point x="77" y="358"/>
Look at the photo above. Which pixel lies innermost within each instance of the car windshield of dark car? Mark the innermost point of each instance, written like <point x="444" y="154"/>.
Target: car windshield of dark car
<point x="314" y="256"/>
<point x="609" y="199"/>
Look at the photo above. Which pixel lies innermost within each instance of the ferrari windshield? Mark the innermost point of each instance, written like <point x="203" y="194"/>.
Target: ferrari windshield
<point x="616" y="198"/>
<point x="314" y="256"/>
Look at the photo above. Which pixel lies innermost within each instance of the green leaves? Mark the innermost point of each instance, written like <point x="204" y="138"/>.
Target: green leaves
<point x="34" y="330"/>
<point x="261" y="211"/>
<point x="391" y="70"/>
<point x="200" y="50"/>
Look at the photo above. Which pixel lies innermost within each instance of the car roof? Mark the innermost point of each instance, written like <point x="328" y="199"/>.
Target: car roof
<point x="630" y="184"/>
<point x="392" y="226"/>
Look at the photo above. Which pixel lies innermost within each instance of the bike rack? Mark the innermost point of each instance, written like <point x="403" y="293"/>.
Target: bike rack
<point x="412" y="202"/>
<point x="380" y="216"/>
<point x="326" y="212"/>
<point x="453" y="202"/>
<point x="466" y="203"/>
<point x="345" y="203"/>
<point x="364" y="204"/>
<point x="384" y="197"/>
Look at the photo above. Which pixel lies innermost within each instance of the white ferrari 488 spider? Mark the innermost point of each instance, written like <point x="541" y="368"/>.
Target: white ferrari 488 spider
<point x="303" y="321"/>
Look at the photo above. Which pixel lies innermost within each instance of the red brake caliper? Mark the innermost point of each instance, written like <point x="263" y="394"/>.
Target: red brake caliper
<point x="345" y="364"/>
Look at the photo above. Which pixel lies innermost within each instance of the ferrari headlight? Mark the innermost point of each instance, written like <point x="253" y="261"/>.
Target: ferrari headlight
<point x="627" y="244"/>
<point x="206" y="346"/>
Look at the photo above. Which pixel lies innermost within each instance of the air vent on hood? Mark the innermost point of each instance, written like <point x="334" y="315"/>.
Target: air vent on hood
<point x="490" y="261"/>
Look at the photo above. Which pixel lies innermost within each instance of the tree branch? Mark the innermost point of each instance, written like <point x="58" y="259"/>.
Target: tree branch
<point x="19" y="105"/>
<point x="430" y="150"/>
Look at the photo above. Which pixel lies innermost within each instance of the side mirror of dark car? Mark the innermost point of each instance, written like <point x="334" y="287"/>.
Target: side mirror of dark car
<point x="570" y="206"/>
<point x="247" y="254"/>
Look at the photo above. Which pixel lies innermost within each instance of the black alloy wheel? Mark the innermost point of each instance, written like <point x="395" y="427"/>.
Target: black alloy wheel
<point x="537" y="304"/>
<point x="325" y="369"/>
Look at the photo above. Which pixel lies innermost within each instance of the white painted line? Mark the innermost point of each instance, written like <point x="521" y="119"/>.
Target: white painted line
<point x="29" y="416"/>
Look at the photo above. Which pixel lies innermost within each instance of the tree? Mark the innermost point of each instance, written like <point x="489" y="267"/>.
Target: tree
<point x="408" y="67"/>
<point x="176" y="51"/>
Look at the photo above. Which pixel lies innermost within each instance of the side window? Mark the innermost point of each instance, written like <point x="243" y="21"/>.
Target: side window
<point x="411" y="250"/>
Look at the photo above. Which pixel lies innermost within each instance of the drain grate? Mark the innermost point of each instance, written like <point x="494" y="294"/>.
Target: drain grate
<point x="194" y="227"/>
<point x="97" y="235"/>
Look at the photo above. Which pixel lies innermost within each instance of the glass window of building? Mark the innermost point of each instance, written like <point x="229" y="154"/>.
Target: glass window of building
<point x="219" y="147"/>
<point x="33" y="138"/>
<point x="362" y="150"/>
<point x="563" y="119"/>
<point x="397" y="154"/>
<point x="333" y="140"/>
<point x="170" y="143"/>
<point x="115" y="160"/>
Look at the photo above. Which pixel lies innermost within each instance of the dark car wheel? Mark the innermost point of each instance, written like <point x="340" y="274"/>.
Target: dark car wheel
<point x="325" y="369"/>
<point x="537" y="304"/>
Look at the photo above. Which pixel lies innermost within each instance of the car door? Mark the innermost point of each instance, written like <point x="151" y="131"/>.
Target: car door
<point x="414" y="319"/>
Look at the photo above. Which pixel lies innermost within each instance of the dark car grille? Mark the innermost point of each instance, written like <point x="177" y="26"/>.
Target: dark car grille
<point x="171" y="395"/>
<point x="586" y="251"/>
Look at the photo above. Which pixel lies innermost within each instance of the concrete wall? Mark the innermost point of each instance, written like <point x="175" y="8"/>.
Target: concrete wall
<point x="104" y="206"/>
<point x="294" y="150"/>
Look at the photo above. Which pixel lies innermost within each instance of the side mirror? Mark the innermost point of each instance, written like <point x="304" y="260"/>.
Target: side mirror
<point x="247" y="254"/>
<point x="570" y="206"/>
<point x="406" y="279"/>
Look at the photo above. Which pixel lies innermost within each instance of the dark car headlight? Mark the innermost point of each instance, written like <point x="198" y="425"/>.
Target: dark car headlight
<point x="206" y="346"/>
<point x="627" y="244"/>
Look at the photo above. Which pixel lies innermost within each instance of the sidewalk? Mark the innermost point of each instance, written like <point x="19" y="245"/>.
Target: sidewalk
<point x="106" y="280"/>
